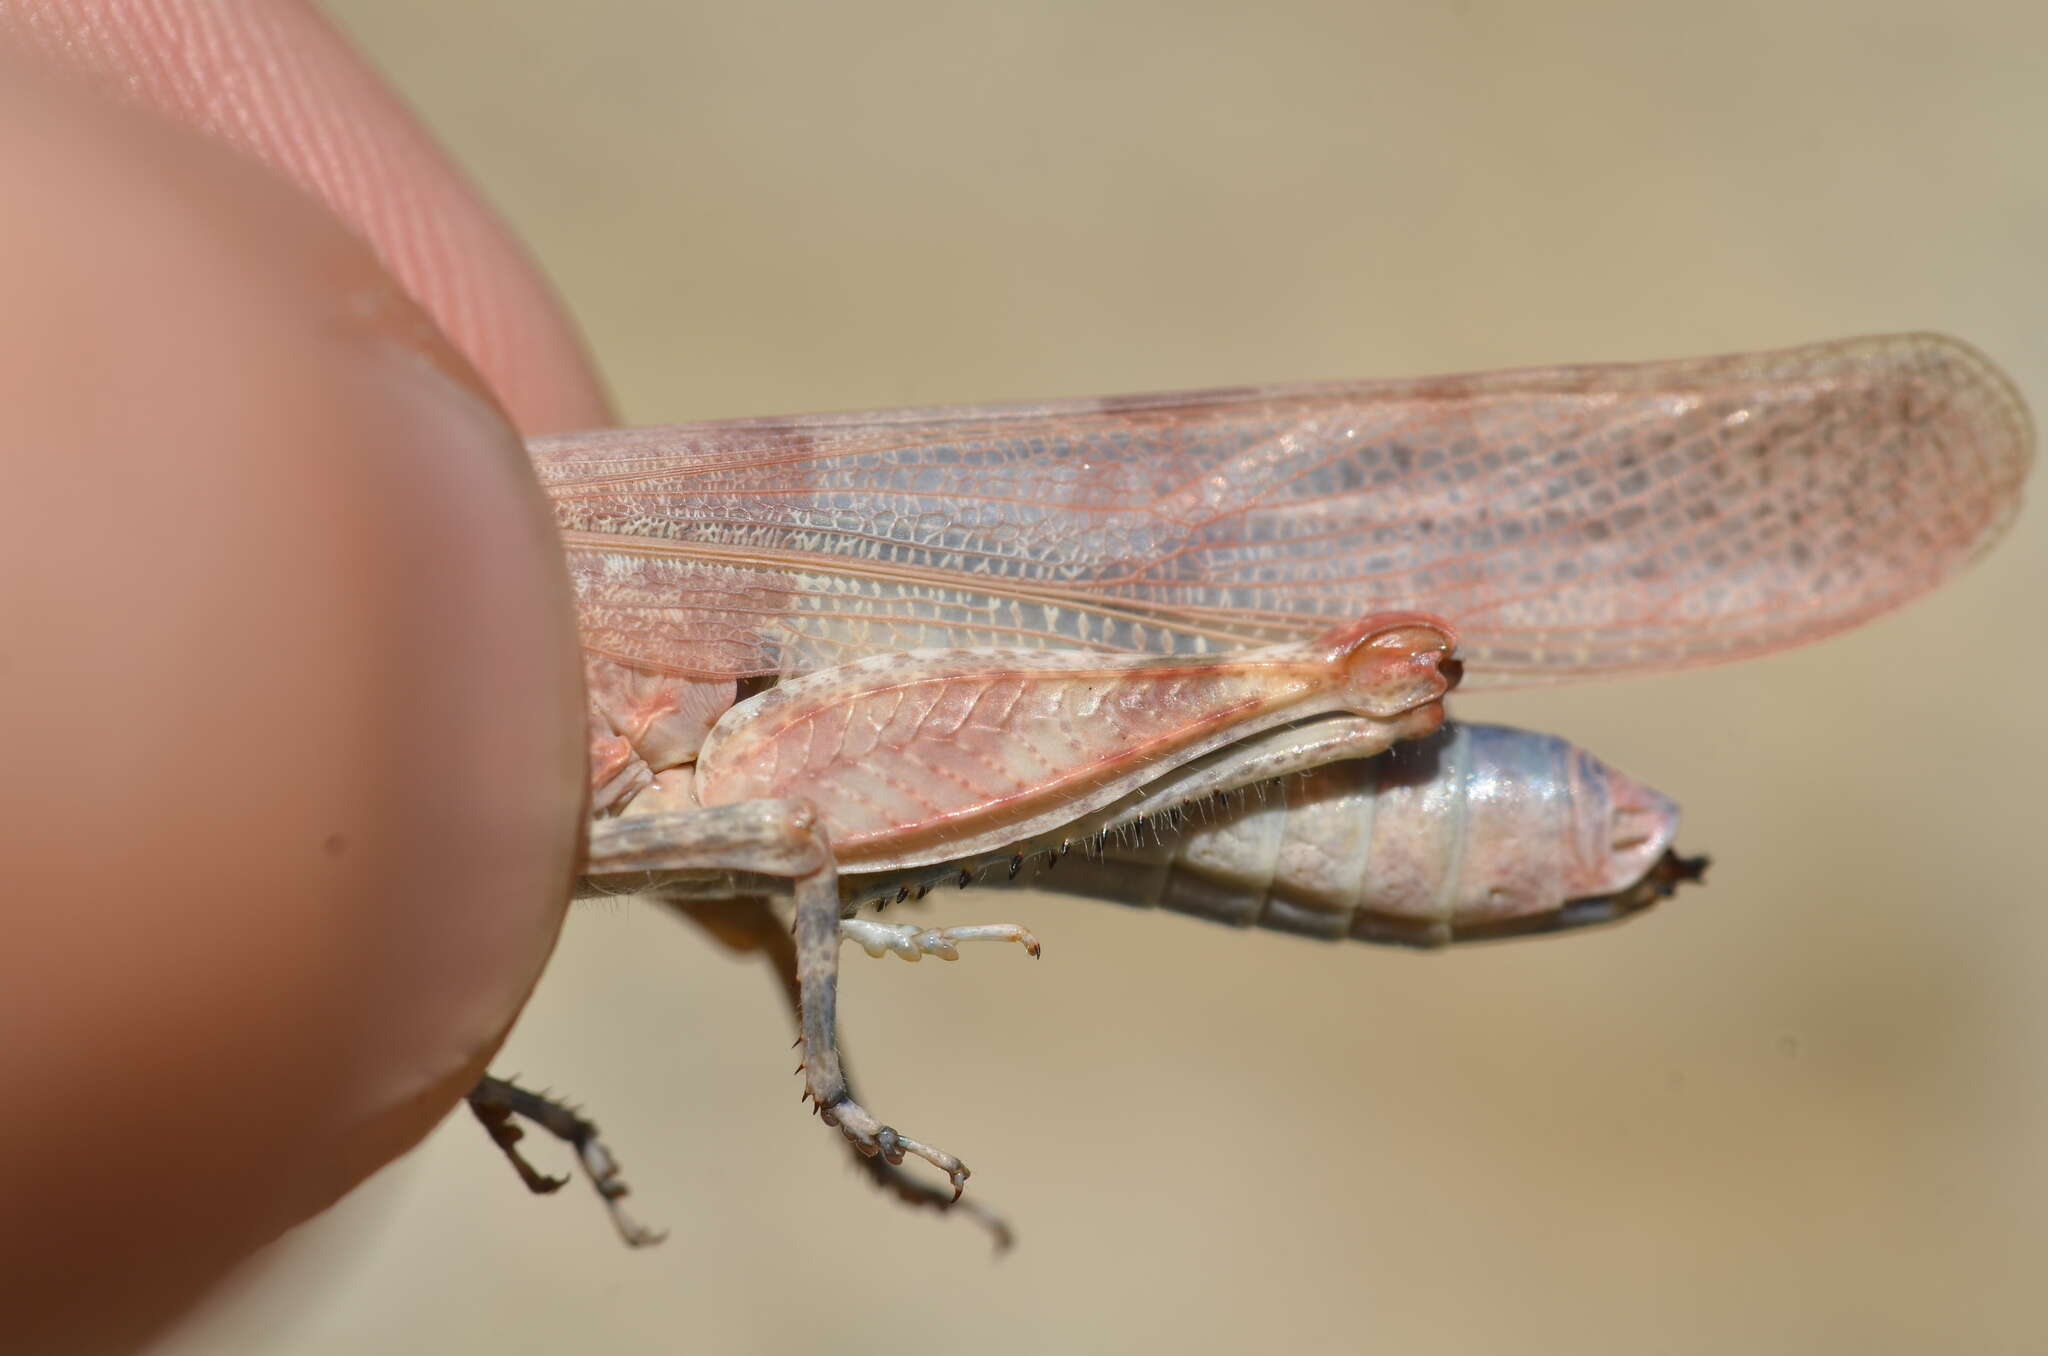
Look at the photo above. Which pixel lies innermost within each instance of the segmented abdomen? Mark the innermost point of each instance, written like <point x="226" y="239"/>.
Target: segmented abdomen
<point x="1480" y="830"/>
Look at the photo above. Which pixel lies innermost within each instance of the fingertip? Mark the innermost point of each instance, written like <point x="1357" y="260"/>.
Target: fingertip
<point x="289" y="710"/>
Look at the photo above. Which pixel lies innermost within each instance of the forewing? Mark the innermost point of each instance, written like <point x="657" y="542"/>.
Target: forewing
<point x="1569" y="521"/>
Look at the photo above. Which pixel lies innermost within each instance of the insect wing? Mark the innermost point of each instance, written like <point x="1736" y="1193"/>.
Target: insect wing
<point x="1572" y="521"/>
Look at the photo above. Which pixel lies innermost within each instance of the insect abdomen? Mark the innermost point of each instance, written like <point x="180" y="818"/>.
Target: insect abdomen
<point x="1480" y="831"/>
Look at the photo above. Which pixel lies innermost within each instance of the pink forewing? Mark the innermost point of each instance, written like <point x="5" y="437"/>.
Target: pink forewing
<point x="1569" y="521"/>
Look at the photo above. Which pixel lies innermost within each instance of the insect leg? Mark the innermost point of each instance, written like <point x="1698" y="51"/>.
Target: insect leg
<point x="751" y="925"/>
<point x="496" y="1101"/>
<point x="782" y="838"/>
<point x="914" y="943"/>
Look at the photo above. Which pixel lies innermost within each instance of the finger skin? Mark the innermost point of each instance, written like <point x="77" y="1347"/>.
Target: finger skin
<point x="273" y="79"/>
<point x="290" y="726"/>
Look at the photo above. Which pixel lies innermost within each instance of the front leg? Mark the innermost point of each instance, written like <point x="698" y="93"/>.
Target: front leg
<point x="497" y="1100"/>
<point x="781" y="838"/>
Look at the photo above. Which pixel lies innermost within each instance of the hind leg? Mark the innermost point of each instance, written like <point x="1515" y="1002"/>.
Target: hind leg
<point x="781" y="838"/>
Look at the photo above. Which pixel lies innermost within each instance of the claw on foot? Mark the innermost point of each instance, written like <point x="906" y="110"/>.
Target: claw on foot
<point x="496" y="1101"/>
<point x="871" y="1138"/>
<point x="604" y="1175"/>
<point x="915" y="1192"/>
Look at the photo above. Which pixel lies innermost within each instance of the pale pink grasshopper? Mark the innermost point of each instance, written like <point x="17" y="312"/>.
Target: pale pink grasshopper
<point x="1019" y="628"/>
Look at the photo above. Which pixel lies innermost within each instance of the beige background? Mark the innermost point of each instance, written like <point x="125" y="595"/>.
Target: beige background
<point x="1803" y="1110"/>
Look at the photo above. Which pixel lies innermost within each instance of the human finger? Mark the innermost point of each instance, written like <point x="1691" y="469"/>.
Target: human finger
<point x="290" y="727"/>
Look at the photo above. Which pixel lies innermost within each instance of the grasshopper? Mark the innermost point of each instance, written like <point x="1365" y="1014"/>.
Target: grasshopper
<point x="842" y="657"/>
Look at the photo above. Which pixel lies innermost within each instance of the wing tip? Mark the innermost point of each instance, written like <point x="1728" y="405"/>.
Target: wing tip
<point x="1964" y="369"/>
<point x="1975" y="368"/>
<point x="1989" y="411"/>
<point x="1986" y="434"/>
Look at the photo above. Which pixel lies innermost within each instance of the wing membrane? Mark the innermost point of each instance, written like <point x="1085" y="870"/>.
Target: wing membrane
<point x="1571" y="521"/>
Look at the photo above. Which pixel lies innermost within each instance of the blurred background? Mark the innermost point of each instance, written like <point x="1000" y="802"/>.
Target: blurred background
<point x="1800" y="1110"/>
